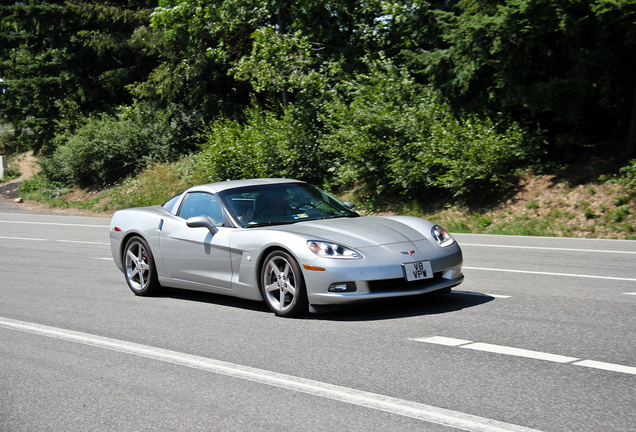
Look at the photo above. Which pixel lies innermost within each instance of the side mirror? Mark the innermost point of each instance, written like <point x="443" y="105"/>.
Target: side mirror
<point x="202" y="222"/>
<point x="350" y="205"/>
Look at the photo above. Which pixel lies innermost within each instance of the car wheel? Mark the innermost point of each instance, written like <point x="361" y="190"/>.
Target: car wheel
<point x="140" y="270"/>
<point x="282" y="285"/>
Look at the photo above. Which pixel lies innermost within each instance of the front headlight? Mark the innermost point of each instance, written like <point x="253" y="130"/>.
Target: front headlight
<point x="332" y="250"/>
<point x="442" y="236"/>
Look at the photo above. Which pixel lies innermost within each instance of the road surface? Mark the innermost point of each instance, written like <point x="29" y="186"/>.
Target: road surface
<point x="540" y="336"/>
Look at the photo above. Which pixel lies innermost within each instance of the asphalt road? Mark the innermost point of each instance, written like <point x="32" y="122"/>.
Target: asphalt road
<point x="539" y="337"/>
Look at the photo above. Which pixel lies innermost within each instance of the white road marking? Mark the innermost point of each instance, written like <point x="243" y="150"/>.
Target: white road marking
<point x="549" y="248"/>
<point x="58" y="241"/>
<point x="481" y="294"/>
<point x="577" y="239"/>
<point x="551" y="274"/>
<point x="414" y="410"/>
<point x="518" y="352"/>
<point x="22" y="238"/>
<point x="606" y="366"/>
<point x="55" y="224"/>
<point x="82" y="242"/>
<point x="634" y="293"/>
<point x="441" y="340"/>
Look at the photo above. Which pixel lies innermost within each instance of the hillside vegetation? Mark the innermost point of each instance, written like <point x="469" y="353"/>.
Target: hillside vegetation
<point x="540" y="205"/>
<point x="425" y="106"/>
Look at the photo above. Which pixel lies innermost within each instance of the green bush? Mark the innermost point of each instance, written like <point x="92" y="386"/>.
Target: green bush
<point x="381" y="133"/>
<point x="108" y="148"/>
<point x="264" y="145"/>
<point x="390" y="135"/>
<point x="627" y="174"/>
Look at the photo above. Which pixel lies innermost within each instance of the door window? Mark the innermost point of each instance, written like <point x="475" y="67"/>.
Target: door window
<point x="202" y="204"/>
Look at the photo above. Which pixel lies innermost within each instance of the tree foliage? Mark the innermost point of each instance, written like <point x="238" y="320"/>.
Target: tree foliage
<point x="109" y="147"/>
<point x="391" y="135"/>
<point x="566" y="64"/>
<point x="400" y="96"/>
<point x="63" y="60"/>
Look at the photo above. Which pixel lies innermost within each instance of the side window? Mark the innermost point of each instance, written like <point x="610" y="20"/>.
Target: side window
<point x="201" y="204"/>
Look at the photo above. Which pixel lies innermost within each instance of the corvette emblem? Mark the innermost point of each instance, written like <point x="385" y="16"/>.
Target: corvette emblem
<point x="407" y="252"/>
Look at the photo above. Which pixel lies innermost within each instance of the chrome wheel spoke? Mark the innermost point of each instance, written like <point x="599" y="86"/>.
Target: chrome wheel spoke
<point x="132" y="258"/>
<point x="290" y="288"/>
<point x="286" y="270"/>
<point x="133" y="273"/>
<point x="270" y="288"/>
<point x="140" y="279"/>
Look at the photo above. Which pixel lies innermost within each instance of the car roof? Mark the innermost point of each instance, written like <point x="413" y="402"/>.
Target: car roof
<point x="232" y="184"/>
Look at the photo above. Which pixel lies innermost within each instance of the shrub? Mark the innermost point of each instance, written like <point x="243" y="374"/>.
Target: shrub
<point x="390" y="135"/>
<point x="108" y="148"/>
<point x="627" y="174"/>
<point x="265" y="145"/>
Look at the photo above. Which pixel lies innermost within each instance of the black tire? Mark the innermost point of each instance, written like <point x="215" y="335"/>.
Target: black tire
<point x="283" y="286"/>
<point x="139" y="268"/>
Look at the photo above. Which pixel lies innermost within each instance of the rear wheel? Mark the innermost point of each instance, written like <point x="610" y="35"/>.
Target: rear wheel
<point x="139" y="266"/>
<point x="282" y="285"/>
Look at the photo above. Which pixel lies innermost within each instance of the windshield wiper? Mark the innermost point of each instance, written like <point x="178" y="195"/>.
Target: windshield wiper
<point x="340" y="215"/>
<point x="272" y="223"/>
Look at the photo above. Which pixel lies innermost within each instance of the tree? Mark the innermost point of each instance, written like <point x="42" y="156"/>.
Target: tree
<point x="33" y="61"/>
<point x="278" y="62"/>
<point x="60" y="60"/>
<point x="208" y="40"/>
<point x="567" y="64"/>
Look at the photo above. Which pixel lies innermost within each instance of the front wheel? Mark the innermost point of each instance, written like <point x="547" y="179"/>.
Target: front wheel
<point x="139" y="266"/>
<point x="282" y="285"/>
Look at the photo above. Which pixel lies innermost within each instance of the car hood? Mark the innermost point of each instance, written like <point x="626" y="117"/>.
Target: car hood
<point x="364" y="231"/>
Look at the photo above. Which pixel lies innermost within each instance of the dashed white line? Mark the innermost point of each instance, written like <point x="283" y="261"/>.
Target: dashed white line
<point x="22" y="238"/>
<point x="57" y="241"/>
<point x="550" y="248"/>
<point x="414" y="410"/>
<point x="606" y="366"/>
<point x="54" y="223"/>
<point x="82" y="242"/>
<point x="551" y="274"/>
<point x="519" y="352"/>
<point x="481" y="294"/>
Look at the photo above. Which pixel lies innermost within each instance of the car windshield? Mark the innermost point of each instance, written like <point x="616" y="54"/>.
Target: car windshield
<point x="285" y="203"/>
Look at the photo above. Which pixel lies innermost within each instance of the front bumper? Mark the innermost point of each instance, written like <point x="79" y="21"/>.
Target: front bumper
<point x="379" y="275"/>
<point x="388" y="288"/>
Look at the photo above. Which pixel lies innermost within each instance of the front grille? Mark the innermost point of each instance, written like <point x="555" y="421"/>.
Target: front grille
<point x="401" y="284"/>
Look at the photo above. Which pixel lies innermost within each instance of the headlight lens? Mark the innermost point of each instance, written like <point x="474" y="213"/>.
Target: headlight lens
<point x="442" y="236"/>
<point x="332" y="250"/>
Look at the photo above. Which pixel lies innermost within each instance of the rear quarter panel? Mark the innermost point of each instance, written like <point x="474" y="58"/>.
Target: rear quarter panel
<point x="143" y="222"/>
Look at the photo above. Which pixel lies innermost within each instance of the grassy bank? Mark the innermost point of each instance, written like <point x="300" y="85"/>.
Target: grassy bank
<point x="541" y="205"/>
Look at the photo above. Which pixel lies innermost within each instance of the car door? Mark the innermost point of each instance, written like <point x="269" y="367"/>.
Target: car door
<point x="195" y="255"/>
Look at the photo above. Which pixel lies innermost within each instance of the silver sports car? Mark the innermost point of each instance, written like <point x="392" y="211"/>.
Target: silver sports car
<point x="282" y="241"/>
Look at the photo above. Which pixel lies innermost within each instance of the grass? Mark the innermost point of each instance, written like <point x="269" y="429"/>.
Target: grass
<point x="542" y="205"/>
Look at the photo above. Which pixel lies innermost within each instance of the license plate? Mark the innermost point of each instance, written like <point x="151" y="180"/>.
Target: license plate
<point x="417" y="270"/>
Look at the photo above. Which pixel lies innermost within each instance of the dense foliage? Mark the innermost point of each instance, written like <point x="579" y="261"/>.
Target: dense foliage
<point x="63" y="60"/>
<point x="403" y="97"/>
<point x="109" y="147"/>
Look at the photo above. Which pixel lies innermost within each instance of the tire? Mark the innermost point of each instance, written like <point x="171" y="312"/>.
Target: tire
<point x="283" y="286"/>
<point x="139" y="268"/>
